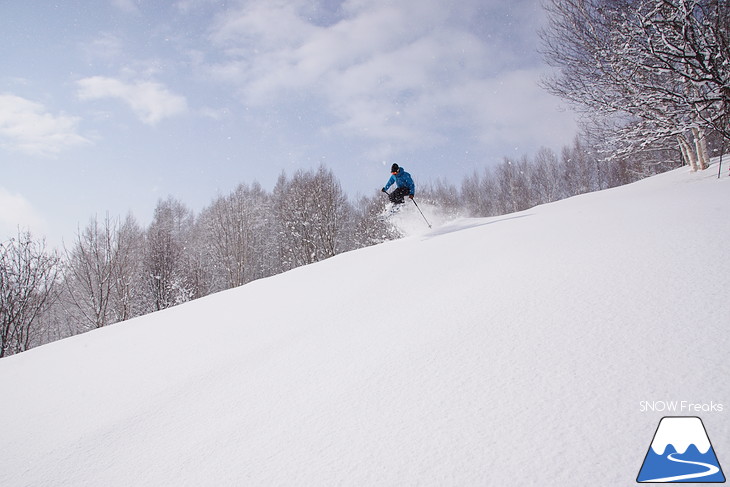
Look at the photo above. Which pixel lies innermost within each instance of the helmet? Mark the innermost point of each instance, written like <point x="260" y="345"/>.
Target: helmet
<point x="394" y="168"/>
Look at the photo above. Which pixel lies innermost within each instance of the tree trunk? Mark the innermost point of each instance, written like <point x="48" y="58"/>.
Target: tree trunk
<point x="687" y="152"/>
<point x="703" y="155"/>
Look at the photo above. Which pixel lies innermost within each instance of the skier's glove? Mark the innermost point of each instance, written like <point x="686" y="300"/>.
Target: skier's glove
<point x="384" y="191"/>
<point x="410" y="196"/>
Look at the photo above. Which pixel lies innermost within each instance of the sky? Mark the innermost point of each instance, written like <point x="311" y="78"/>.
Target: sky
<point x="108" y="106"/>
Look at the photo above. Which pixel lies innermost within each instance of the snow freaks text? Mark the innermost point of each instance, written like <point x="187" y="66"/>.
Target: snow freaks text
<point x="680" y="407"/>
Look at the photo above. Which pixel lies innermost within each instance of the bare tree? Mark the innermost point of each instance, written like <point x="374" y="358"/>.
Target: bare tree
<point x="236" y="235"/>
<point x="333" y="213"/>
<point x="128" y="296"/>
<point x="479" y="194"/>
<point x="581" y="170"/>
<point x="513" y="188"/>
<point x="370" y="227"/>
<point x="444" y="195"/>
<point x="658" y="69"/>
<point x="545" y="177"/>
<point x="28" y="275"/>
<point x="166" y="244"/>
<point x="312" y="215"/>
<point x="92" y="273"/>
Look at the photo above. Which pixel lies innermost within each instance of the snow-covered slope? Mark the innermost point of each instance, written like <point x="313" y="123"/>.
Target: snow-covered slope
<point x="503" y="351"/>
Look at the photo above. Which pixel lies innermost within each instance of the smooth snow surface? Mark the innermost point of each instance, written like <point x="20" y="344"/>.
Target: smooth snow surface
<point x="512" y="350"/>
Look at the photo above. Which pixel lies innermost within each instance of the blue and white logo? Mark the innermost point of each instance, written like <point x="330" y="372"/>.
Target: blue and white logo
<point x="681" y="452"/>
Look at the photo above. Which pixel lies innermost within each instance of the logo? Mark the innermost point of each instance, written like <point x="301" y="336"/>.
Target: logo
<point x="681" y="452"/>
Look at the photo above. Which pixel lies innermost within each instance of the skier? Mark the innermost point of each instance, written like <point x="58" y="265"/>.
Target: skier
<point x="404" y="185"/>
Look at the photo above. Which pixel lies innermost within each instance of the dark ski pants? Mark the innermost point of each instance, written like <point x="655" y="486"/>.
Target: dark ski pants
<point x="397" y="196"/>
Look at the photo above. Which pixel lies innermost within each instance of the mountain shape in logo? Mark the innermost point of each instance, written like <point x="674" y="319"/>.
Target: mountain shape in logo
<point x="681" y="452"/>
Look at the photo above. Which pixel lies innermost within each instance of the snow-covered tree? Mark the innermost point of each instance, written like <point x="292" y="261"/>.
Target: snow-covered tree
<point x="513" y="187"/>
<point x="370" y="228"/>
<point x="444" y="195"/>
<point x="658" y="69"/>
<point x="90" y="273"/>
<point x="28" y="276"/>
<point x="128" y="297"/>
<point x="167" y="275"/>
<point x="545" y="177"/>
<point x="478" y="193"/>
<point x="580" y="169"/>
<point x="236" y="236"/>
<point x="103" y="273"/>
<point x="312" y="215"/>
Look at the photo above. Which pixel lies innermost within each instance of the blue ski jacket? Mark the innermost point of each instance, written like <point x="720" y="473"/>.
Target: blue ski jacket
<point x="402" y="179"/>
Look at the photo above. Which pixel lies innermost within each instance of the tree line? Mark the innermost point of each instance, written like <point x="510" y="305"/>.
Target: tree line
<point x="115" y="270"/>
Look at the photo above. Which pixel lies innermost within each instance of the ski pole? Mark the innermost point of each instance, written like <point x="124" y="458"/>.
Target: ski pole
<point x="419" y="209"/>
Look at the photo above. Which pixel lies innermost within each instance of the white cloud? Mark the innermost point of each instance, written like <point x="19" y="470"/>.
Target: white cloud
<point x="270" y="24"/>
<point x="511" y="108"/>
<point x="215" y="113"/>
<point x="407" y="73"/>
<point x="186" y="6"/>
<point x="28" y="127"/>
<point x="16" y="212"/>
<point x="299" y="54"/>
<point x="106" y="47"/>
<point x="126" y="6"/>
<point x="150" y="101"/>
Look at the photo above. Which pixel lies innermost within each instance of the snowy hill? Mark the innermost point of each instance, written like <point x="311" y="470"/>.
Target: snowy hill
<point x="512" y="350"/>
